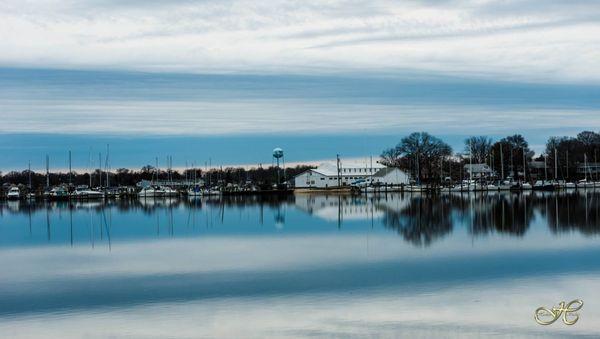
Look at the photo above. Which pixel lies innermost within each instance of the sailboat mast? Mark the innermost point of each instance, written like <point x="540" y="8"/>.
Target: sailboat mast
<point x="524" y="165"/>
<point x="470" y="160"/>
<point x="156" y="169"/>
<point x="555" y="164"/>
<point x="100" y="169"/>
<point x="585" y="166"/>
<point x="546" y="167"/>
<point x="501" y="161"/>
<point x="47" y="171"/>
<point x="567" y="165"/>
<point x="106" y="165"/>
<point x="70" y="169"/>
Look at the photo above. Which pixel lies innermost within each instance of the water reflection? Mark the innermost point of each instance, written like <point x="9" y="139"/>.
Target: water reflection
<point x="419" y="219"/>
<point x="297" y="265"/>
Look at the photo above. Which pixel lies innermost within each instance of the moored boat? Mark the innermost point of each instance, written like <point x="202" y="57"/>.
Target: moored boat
<point x="151" y="192"/>
<point x="13" y="193"/>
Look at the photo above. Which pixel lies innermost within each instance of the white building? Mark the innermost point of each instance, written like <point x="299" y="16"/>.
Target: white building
<point x="479" y="171"/>
<point x="326" y="176"/>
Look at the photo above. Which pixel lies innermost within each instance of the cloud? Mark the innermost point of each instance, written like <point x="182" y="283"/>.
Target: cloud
<point x="528" y="41"/>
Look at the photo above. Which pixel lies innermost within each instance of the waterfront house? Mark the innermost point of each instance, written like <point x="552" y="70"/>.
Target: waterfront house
<point x="591" y="168"/>
<point x="479" y="171"/>
<point x="328" y="175"/>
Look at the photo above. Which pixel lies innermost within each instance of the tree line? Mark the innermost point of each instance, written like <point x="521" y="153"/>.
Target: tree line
<point x="429" y="159"/>
<point x="258" y="177"/>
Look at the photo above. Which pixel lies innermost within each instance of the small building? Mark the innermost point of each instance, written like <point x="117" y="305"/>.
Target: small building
<point x="537" y="169"/>
<point x="327" y="175"/>
<point x="591" y="168"/>
<point x="479" y="171"/>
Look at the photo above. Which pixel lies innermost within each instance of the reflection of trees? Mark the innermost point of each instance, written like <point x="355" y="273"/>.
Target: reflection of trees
<point x="148" y="205"/>
<point x="503" y="213"/>
<point x="419" y="219"/>
<point x="424" y="220"/>
<point x="571" y="211"/>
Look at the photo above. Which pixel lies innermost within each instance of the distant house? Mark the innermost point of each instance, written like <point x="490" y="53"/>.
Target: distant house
<point x="327" y="175"/>
<point x="591" y="168"/>
<point x="537" y="169"/>
<point x="479" y="171"/>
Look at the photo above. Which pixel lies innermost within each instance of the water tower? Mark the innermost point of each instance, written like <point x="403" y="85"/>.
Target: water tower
<point x="277" y="156"/>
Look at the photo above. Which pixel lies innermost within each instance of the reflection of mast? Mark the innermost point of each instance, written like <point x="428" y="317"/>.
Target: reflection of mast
<point x="71" y="221"/>
<point x="106" y="228"/>
<point x="29" y="212"/>
<point x="48" y="221"/>
<point x="339" y="211"/>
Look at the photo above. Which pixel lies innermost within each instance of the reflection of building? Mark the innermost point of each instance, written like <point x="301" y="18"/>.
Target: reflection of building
<point x="333" y="208"/>
<point x="337" y="207"/>
<point x="328" y="175"/>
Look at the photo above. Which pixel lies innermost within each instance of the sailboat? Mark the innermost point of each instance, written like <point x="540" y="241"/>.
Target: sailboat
<point x="544" y="185"/>
<point x="30" y="195"/>
<point x="584" y="183"/>
<point x="195" y="190"/>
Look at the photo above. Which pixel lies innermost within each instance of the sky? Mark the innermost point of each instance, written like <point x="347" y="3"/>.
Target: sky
<point x="230" y="80"/>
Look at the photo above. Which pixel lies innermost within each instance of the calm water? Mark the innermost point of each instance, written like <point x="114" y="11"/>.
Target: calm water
<point x="306" y="265"/>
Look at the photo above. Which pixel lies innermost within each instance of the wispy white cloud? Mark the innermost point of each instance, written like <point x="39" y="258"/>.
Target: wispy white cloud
<point x="276" y="116"/>
<point x="530" y="40"/>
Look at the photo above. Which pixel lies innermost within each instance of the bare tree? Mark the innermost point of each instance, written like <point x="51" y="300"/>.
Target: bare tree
<point x="480" y="147"/>
<point x="423" y="153"/>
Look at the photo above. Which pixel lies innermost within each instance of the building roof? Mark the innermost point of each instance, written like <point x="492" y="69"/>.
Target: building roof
<point x="384" y="171"/>
<point x="478" y="168"/>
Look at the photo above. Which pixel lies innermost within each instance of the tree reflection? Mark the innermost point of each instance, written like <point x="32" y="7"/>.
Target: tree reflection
<point x="419" y="219"/>
<point x="424" y="220"/>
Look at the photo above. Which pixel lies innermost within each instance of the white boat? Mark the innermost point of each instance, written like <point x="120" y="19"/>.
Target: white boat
<point x="491" y="187"/>
<point x="195" y="191"/>
<point x="570" y="185"/>
<point x="58" y="193"/>
<point x="526" y="186"/>
<point x="505" y="185"/>
<point x="542" y="185"/>
<point x="151" y="192"/>
<point x="169" y="191"/>
<point x="211" y="191"/>
<point x="585" y="184"/>
<point x="86" y="193"/>
<point x="13" y="194"/>
<point x="413" y="188"/>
